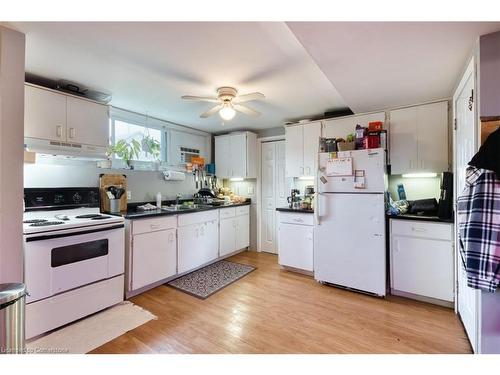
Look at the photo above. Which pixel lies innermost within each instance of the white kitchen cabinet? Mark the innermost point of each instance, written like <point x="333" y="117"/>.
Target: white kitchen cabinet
<point x="234" y="229"/>
<point x="198" y="235"/>
<point x="44" y="114"/>
<point x="236" y="155"/>
<point x="154" y="257"/>
<point x="301" y="148"/>
<point x="57" y="117"/>
<point x="295" y="241"/>
<point x="422" y="259"/>
<point x="419" y="139"/>
<point x="87" y="122"/>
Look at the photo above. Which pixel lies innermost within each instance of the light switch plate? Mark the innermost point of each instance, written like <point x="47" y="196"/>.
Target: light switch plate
<point x="250" y="190"/>
<point x="129" y="195"/>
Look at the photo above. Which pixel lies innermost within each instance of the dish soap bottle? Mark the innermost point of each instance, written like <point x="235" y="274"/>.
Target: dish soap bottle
<point x="158" y="200"/>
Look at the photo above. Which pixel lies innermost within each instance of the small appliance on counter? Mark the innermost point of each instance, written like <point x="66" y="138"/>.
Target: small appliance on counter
<point x="294" y="199"/>
<point x="424" y="207"/>
<point x="445" y="206"/>
<point x="308" y="201"/>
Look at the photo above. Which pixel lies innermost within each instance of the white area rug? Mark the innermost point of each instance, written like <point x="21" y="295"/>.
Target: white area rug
<point x="90" y="333"/>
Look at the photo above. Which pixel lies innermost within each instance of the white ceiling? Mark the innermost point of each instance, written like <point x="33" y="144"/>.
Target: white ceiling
<point x="377" y="65"/>
<point x="301" y="67"/>
<point x="148" y="66"/>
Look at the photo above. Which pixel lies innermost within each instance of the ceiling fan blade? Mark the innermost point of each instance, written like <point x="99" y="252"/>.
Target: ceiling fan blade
<point x="200" y="98"/>
<point x="246" y="110"/>
<point x="248" y="97"/>
<point x="211" y="111"/>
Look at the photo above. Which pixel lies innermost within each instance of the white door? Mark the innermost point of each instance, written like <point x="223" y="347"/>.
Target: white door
<point x="227" y="236"/>
<point x="87" y="122"/>
<point x="296" y="246"/>
<point x="349" y="241"/>
<point x="403" y="140"/>
<point x="311" y="132"/>
<point x="238" y="155"/>
<point x="268" y="202"/>
<point x="465" y="148"/>
<point x="294" y="151"/>
<point x="282" y="187"/>
<point x="432" y="136"/>
<point x="154" y="257"/>
<point x="44" y="114"/>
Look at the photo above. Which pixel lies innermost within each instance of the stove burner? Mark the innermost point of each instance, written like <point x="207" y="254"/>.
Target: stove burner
<point x="34" y="221"/>
<point x="46" y="223"/>
<point x="88" y="216"/>
<point x="100" y="217"/>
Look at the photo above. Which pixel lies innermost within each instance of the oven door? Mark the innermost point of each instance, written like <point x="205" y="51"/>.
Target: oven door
<point x="65" y="260"/>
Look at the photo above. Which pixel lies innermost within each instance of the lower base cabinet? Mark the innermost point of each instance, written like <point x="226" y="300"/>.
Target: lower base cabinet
<point x="234" y="233"/>
<point x="197" y="244"/>
<point x="422" y="259"/>
<point x="295" y="241"/>
<point x="154" y="257"/>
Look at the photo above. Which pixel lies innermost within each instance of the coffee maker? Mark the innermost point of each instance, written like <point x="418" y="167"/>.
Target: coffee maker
<point x="294" y="199"/>
<point x="445" y="206"/>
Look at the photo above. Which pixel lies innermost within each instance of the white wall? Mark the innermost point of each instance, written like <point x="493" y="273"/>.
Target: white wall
<point x="416" y="188"/>
<point x="12" y="44"/>
<point x="72" y="173"/>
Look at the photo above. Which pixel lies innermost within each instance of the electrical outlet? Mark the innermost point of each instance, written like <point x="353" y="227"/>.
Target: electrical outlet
<point x="129" y="195"/>
<point x="250" y="190"/>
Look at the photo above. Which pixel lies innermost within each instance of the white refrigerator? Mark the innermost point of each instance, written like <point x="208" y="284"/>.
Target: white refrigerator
<point x="349" y="227"/>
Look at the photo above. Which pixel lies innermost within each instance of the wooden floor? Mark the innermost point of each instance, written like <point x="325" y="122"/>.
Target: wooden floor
<point x="276" y="311"/>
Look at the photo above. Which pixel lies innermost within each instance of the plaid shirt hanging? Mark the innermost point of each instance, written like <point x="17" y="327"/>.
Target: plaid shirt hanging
<point x="478" y="212"/>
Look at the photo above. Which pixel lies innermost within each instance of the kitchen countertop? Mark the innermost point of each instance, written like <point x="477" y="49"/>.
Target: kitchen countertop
<point x="133" y="213"/>
<point x="300" y="210"/>
<point x="421" y="217"/>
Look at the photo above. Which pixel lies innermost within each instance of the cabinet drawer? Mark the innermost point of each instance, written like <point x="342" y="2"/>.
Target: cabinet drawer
<point x="242" y="210"/>
<point x="295" y="218"/>
<point x="197" y="217"/>
<point x="225" y="213"/>
<point x="437" y="231"/>
<point x="151" y="225"/>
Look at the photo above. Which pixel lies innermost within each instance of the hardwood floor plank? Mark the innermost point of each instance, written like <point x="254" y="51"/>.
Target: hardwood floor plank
<point x="275" y="311"/>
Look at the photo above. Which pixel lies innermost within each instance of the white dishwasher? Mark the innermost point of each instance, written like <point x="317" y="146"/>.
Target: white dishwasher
<point x="295" y="240"/>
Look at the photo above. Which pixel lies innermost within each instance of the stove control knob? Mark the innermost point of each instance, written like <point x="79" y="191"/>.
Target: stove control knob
<point x="93" y="197"/>
<point x="77" y="198"/>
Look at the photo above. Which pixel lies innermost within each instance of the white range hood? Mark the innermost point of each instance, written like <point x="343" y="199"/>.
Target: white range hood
<point x="74" y="150"/>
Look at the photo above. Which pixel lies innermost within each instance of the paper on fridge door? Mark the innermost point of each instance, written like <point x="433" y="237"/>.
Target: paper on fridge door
<point x="339" y="167"/>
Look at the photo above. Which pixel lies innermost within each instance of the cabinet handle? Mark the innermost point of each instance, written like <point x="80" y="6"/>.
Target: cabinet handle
<point x="418" y="229"/>
<point x="301" y="171"/>
<point x="154" y="226"/>
<point x="59" y="131"/>
<point x="308" y="171"/>
<point x="72" y="132"/>
<point x="196" y="232"/>
<point x="298" y="220"/>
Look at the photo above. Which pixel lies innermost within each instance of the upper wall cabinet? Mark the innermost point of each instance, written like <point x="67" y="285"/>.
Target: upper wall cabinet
<point x="419" y="139"/>
<point x="342" y="126"/>
<point x="53" y="116"/>
<point x="235" y="155"/>
<point x="302" y="142"/>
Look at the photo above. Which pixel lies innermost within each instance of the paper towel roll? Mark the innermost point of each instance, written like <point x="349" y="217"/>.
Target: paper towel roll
<point x="174" y="176"/>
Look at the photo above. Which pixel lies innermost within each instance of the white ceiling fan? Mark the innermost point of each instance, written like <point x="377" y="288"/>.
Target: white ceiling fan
<point x="228" y="103"/>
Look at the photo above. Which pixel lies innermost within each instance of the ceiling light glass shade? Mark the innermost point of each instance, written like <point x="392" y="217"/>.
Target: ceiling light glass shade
<point x="227" y="112"/>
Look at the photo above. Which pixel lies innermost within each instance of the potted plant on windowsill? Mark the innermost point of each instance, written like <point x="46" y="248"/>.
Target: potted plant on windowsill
<point x="126" y="150"/>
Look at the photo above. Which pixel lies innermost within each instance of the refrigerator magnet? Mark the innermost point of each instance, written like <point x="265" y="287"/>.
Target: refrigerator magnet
<point x="359" y="179"/>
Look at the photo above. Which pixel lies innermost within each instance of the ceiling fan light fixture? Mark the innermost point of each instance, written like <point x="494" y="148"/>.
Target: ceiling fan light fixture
<point x="227" y="112"/>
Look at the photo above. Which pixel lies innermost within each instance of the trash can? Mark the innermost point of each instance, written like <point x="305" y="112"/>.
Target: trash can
<point x="12" y="307"/>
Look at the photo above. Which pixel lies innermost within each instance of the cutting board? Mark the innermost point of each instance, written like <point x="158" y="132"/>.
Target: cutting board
<point x="118" y="180"/>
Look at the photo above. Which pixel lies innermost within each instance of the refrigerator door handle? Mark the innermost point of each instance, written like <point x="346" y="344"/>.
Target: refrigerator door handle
<point x="317" y="208"/>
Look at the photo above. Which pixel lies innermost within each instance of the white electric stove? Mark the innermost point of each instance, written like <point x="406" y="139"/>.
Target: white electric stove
<point x="73" y="257"/>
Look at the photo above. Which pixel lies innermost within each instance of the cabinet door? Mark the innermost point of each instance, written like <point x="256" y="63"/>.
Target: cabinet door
<point x="312" y="132"/>
<point x="238" y="155"/>
<point x="294" y="149"/>
<point x="242" y="231"/>
<point x="403" y="140"/>
<point x="422" y="266"/>
<point x="88" y="122"/>
<point x="209" y="237"/>
<point x="227" y="236"/>
<point x="44" y="114"/>
<point x="432" y="135"/>
<point x="222" y="158"/>
<point x="190" y="245"/>
<point x="295" y="246"/>
<point x="154" y="257"/>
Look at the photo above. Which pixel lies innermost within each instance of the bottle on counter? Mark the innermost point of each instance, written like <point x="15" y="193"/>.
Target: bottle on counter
<point x="158" y="200"/>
